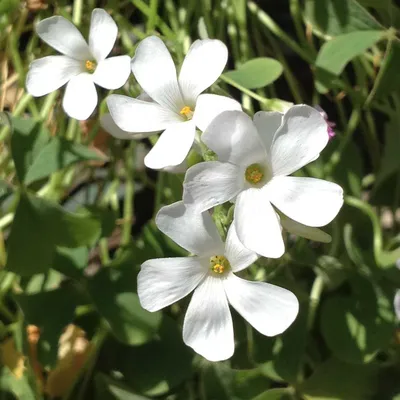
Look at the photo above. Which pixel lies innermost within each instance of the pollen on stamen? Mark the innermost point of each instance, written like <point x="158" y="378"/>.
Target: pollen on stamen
<point x="187" y="112"/>
<point x="254" y="174"/>
<point x="219" y="265"/>
<point x="90" y="65"/>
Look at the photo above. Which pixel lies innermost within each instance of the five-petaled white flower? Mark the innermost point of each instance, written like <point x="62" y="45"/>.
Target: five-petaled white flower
<point x="208" y="325"/>
<point x="177" y="106"/>
<point x="255" y="159"/>
<point x="81" y="65"/>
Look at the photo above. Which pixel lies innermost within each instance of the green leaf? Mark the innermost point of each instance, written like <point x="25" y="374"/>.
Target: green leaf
<point x="336" y="17"/>
<point x="337" y="380"/>
<point x="20" y="388"/>
<point x="112" y="292"/>
<point x="39" y="226"/>
<point x="274" y="394"/>
<point x="57" y="154"/>
<point x="71" y="262"/>
<point x="256" y="73"/>
<point x="8" y="6"/>
<point x="336" y="53"/>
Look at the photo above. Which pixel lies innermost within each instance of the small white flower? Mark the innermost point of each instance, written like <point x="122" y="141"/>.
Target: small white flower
<point x="208" y="325"/>
<point x="255" y="159"/>
<point x="176" y="107"/>
<point x="81" y="65"/>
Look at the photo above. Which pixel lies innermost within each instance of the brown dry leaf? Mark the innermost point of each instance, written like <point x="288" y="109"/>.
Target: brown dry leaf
<point x="12" y="358"/>
<point x="33" y="333"/>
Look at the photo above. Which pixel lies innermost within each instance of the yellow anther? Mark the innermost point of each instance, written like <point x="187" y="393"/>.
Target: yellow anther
<point x="254" y="174"/>
<point x="218" y="269"/>
<point x="90" y="65"/>
<point x="219" y="264"/>
<point x="187" y="112"/>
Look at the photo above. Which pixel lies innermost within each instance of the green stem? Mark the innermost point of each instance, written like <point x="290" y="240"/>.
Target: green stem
<point x="315" y="295"/>
<point x="129" y="193"/>
<point x="77" y="12"/>
<point x="152" y="16"/>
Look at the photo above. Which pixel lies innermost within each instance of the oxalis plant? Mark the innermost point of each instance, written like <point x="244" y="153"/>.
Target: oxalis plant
<point x="199" y="200"/>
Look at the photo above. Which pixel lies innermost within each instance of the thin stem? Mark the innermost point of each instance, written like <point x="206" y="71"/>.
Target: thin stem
<point x="129" y="193"/>
<point x="77" y="12"/>
<point x="315" y="295"/>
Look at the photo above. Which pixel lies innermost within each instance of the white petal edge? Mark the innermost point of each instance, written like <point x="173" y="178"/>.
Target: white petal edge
<point x="163" y="281"/>
<point x="102" y="35"/>
<point x="64" y="37"/>
<point x="211" y="183"/>
<point x="155" y="72"/>
<point x="194" y="231"/>
<point x="268" y="308"/>
<point x="257" y="224"/>
<point x="208" y="327"/>
<point x="397" y="304"/>
<point x="238" y="256"/>
<point x="113" y="72"/>
<point x="267" y="124"/>
<point x="133" y="115"/>
<point x="304" y="231"/>
<point x="80" y="98"/>
<point x="202" y="66"/>
<point x="312" y="202"/>
<point x="172" y="146"/>
<point x="300" y="138"/>
<point x="108" y="124"/>
<point x="209" y="106"/>
<point x="50" y="73"/>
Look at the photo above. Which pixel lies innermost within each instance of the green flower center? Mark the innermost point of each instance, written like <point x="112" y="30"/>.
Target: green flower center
<point x="187" y="112"/>
<point x="219" y="265"/>
<point x="254" y="174"/>
<point x="90" y="66"/>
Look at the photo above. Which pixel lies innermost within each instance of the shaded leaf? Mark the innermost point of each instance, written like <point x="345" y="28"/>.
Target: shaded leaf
<point x="274" y="394"/>
<point x="12" y="358"/>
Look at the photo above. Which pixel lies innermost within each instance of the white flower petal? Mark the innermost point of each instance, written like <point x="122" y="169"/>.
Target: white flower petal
<point x="397" y="304"/>
<point x="63" y="36"/>
<point x="305" y="231"/>
<point x="233" y="136"/>
<point x="108" y="124"/>
<point x="238" y="256"/>
<point x="299" y="140"/>
<point x="257" y="224"/>
<point x="209" y="106"/>
<point x="102" y="35"/>
<point x="80" y="98"/>
<point x="203" y="64"/>
<point x="164" y="281"/>
<point x="155" y="71"/>
<point x="172" y="146"/>
<point x="208" y="184"/>
<point x="113" y="72"/>
<point x="50" y="73"/>
<point x="310" y="201"/>
<point x="267" y="123"/>
<point x="268" y="308"/>
<point x="194" y="231"/>
<point x="133" y="115"/>
<point x="208" y="327"/>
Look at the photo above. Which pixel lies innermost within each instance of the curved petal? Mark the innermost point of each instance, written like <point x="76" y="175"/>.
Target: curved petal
<point x="310" y="201"/>
<point x="63" y="36"/>
<point x="267" y="124"/>
<point x="194" y="231"/>
<point x="164" y="281"/>
<point x="299" y="140"/>
<point x="80" y="98"/>
<point x="203" y="64"/>
<point x="257" y="224"/>
<point x="304" y="231"/>
<point x="209" y="106"/>
<point x="108" y="124"/>
<point x="210" y="183"/>
<point x="268" y="308"/>
<point x="172" y="146"/>
<point x="102" y="35"/>
<point x="397" y="304"/>
<point x="133" y="115"/>
<point x="208" y="327"/>
<point x="50" y="73"/>
<point x="238" y="256"/>
<point x="155" y="71"/>
<point x="113" y="72"/>
<point x="233" y="136"/>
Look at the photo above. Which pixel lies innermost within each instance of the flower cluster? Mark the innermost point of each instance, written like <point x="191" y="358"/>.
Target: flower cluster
<point x="250" y="166"/>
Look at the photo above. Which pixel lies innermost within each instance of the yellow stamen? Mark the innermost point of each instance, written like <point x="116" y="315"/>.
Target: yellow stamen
<point x="90" y="65"/>
<point x="219" y="264"/>
<point x="254" y="174"/>
<point x="187" y="112"/>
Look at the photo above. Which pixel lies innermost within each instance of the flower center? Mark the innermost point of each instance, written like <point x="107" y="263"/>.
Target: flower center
<point x="254" y="174"/>
<point x="90" y="66"/>
<point x="187" y="112"/>
<point x="219" y="265"/>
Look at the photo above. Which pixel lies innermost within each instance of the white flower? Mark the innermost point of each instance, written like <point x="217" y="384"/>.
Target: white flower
<point x="177" y="107"/>
<point x="208" y="325"/>
<point x="81" y="65"/>
<point x="255" y="159"/>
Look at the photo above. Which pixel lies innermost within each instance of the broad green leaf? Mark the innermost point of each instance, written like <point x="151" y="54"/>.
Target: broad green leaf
<point x="71" y="262"/>
<point x="336" y="53"/>
<point x="112" y="292"/>
<point x="256" y="73"/>
<point x="39" y="226"/>
<point x="20" y="388"/>
<point x="336" y="17"/>
<point x="57" y="154"/>
<point x="274" y="394"/>
<point x="8" y="6"/>
<point x="337" y="380"/>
